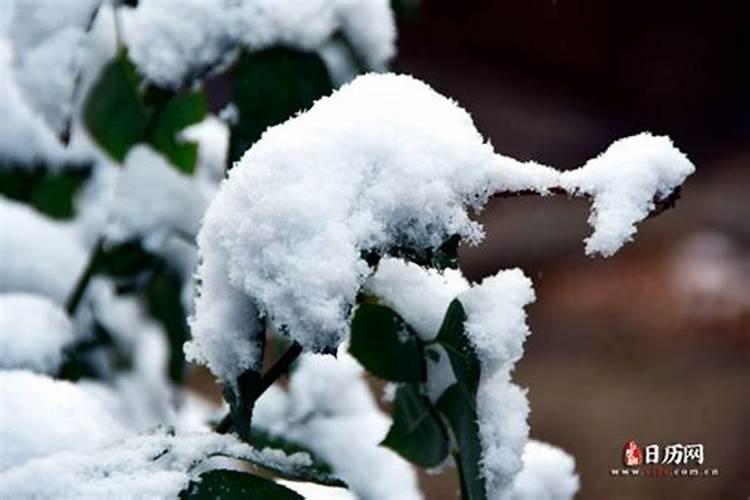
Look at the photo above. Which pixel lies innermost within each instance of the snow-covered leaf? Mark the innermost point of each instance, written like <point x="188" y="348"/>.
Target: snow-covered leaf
<point x="385" y="345"/>
<point x="417" y="434"/>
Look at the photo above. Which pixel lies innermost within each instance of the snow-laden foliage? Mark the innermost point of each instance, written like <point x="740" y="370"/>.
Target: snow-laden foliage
<point x="329" y="408"/>
<point x="386" y="162"/>
<point x="152" y="465"/>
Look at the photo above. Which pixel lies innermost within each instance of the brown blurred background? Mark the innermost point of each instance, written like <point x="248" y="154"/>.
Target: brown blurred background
<point x="652" y="344"/>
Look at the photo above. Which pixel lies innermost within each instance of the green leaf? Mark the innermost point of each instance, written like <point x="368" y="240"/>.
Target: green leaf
<point x="385" y="345"/>
<point x="417" y="434"/>
<point x="164" y="298"/>
<point x="51" y="193"/>
<point x="463" y="420"/>
<point x="121" y="111"/>
<point x="126" y="261"/>
<point x="233" y="485"/>
<point x="270" y="86"/>
<point x="461" y="354"/>
<point x="113" y="111"/>
<point x="319" y="472"/>
<point x="171" y="117"/>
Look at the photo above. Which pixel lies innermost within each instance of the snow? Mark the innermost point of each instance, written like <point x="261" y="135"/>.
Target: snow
<point x="420" y="296"/>
<point x="496" y="320"/>
<point x="49" y="55"/>
<point x="41" y="416"/>
<point x="383" y="162"/>
<point x="548" y="474"/>
<point x="38" y="255"/>
<point x="156" y="465"/>
<point x="33" y="333"/>
<point x="25" y="138"/>
<point x="153" y="200"/>
<point x="329" y="409"/>
<point x="623" y="182"/>
<point x="496" y="327"/>
<point x="170" y="42"/>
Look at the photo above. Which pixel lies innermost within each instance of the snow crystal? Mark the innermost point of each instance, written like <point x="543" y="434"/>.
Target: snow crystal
<point x="40" y="416"/>
<point x="172" y="41"/>
<point x="329" y="409"/>
<point x="548" y="474"/>
<point x="623" y="182"/>
<point x="38" y="255"/>
<point x="33" y="333"/>
<point x="156" y="465"/>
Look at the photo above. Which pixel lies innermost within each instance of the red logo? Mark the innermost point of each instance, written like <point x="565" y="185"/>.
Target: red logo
<point x="632" y="455"/>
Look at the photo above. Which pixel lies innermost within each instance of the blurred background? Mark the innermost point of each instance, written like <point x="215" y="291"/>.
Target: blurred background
<point x="652" y="344"/>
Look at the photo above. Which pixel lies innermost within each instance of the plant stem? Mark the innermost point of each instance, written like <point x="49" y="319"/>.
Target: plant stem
<point x="279" y="368"/>
<point x="75" y="298"/>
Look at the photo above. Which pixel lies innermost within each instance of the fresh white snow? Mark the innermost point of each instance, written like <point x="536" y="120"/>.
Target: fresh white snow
<point x="173" y="41"/>
<point x="548" y="474"/>
<point x="38" y="255"/>
<point x="34" y="330"/>
<point x="330" y="409"/>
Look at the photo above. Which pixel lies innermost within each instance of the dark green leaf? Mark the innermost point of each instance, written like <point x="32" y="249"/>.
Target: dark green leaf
<point x="319" y="472"/>
<point x="234" y="485"/>
<point x="172" y="117"/>
<point x="126" y="260"/>
<point x="113" y="111"/>
<point x="163" y="295"/>
<point x="417" y="434"/>
<point x="463" y="420"/>
<point x="461" y="354"/>
<point x="270" y="86"/>
<point x="51" y="193"/>
<point x="385" y="345"/>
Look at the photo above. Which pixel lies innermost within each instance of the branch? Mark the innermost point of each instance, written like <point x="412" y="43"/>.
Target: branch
<point x="75" y="298"/>
<point x="274" y="373"/>
<point x="660" y="205"/>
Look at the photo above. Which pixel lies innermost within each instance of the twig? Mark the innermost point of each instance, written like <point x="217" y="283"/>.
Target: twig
<point x="660" y="205"/>
<point x="279" y="368"/>
<point x="75" y="298"/>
